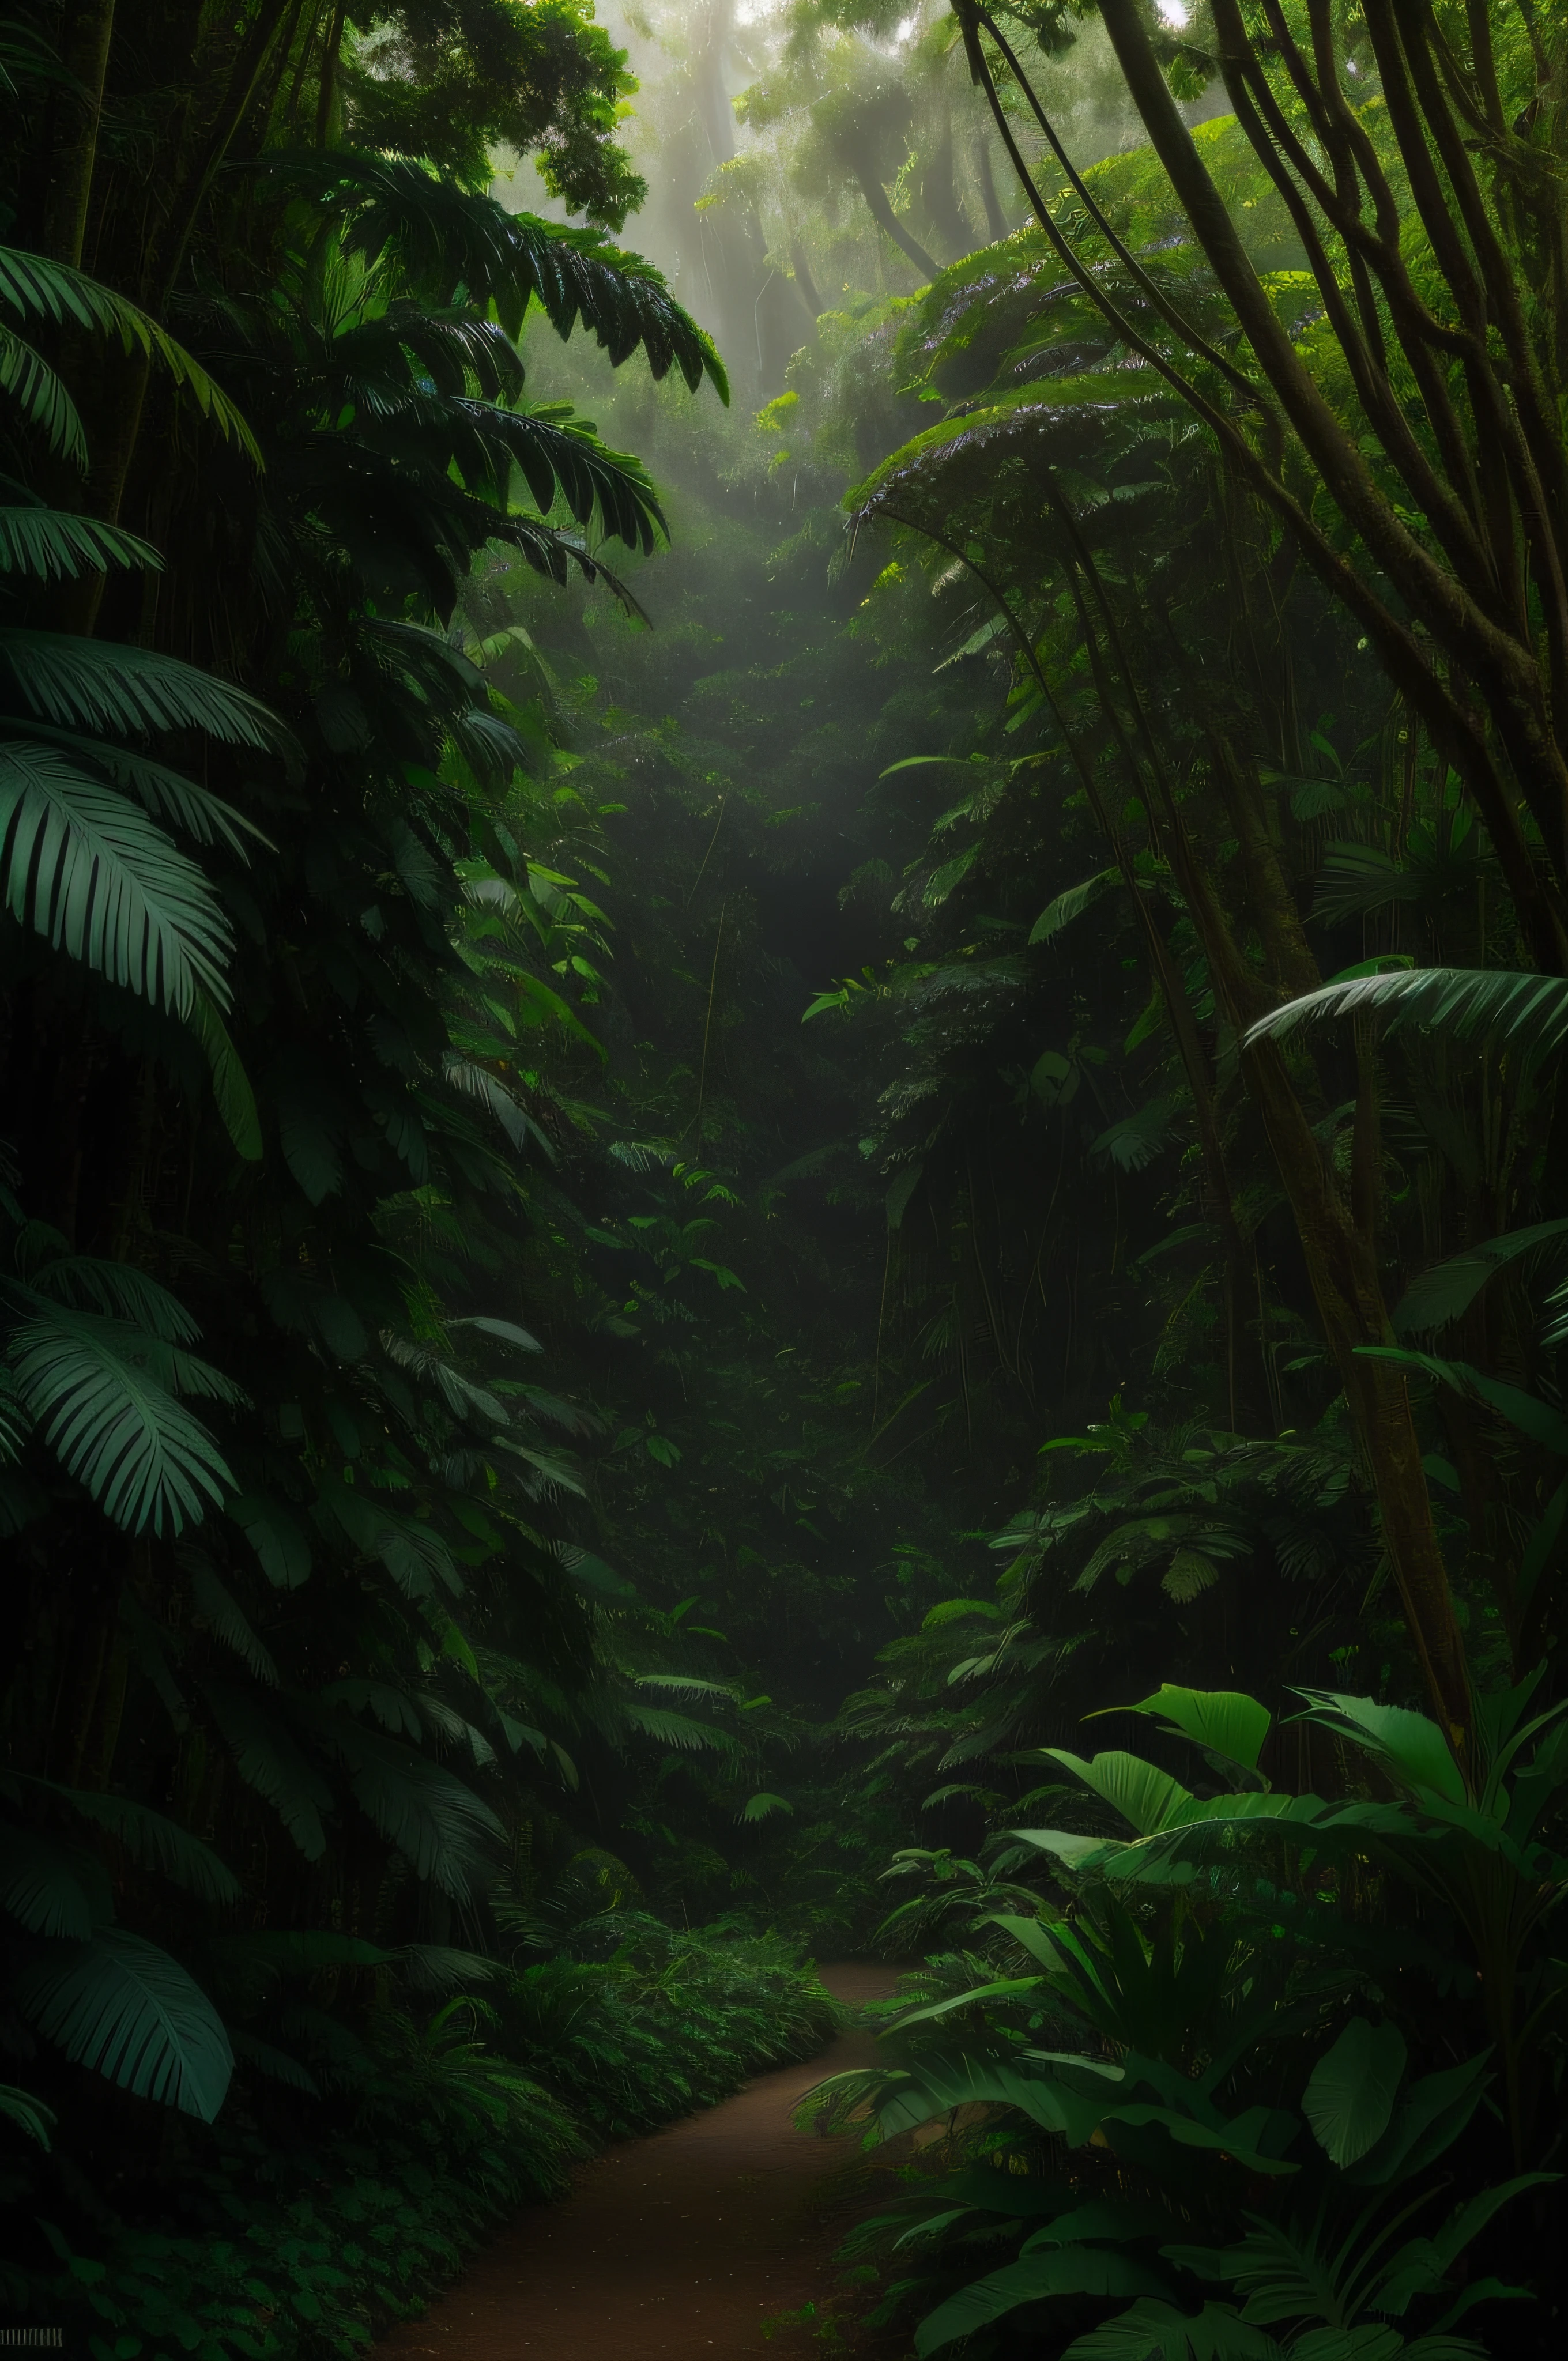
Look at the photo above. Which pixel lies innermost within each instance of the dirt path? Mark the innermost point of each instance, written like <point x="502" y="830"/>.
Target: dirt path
<point x="677" y="2245"/>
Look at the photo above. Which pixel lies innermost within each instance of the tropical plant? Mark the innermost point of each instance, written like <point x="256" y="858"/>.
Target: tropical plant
<point x="1193" y="2018"/>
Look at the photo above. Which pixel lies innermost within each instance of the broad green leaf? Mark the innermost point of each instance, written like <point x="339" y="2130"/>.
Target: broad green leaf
<point x="943" y="2083"/>
<point x="1350" y="2098"/>
<point x="1234" y="2139"/>
<point x="1410" y="1745"/>
<point x="1449" y="1287"/>
<point x="275" y="1536"/>
<point x="1425" y="2122"/>
<point x="1104" y="2217"/>
<point x="1071" y="905"/>
<point x="1145" y="1795"/>
<point x="1467" y="2221"/>
<point x="1534" y="1417"/>
<point x="1223" y="1721"/>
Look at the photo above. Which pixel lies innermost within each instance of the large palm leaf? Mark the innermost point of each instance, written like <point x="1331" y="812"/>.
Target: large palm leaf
<point x="167" y="794"/>
<point x="269" y="1759"/>
<point x="41" y="397"/>
<point x="39" y="288"/>
<point x="96" y="685"/>
<point x="440" y="1827"/>
<point x="29" y="2114"/>
<point x="448" y="240"/>
<point x="119" y="2004"/>
<point x="53" y="544"/>
<point x="93" y="874"/>
<point x="1529" y="1012"/>
<point x="85" y="1380"/>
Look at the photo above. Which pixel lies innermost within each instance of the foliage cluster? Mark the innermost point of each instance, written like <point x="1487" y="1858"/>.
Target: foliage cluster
<point x="308" y="2224"/>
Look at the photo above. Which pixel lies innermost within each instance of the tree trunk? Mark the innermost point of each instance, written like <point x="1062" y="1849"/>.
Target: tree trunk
<point x="885" y="218"/>
<point x="995" y="219"/>
<point x="74" y="117"/>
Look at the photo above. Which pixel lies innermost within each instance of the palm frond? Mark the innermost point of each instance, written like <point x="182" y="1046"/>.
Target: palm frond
<point x="49" y="1888"/>
<point x="1529" y="1012"/>
<point x="231" y="1093"/>
<point x="29" y="2114"/>
<point x="119" y="2004"/>
<point x="40" y="396"/>
<point x="226" y="1619"/>
<point x="98" y="685"/>
<point x="447" y="240"/>
<point x="461" y="1396"/>
<point x="167" y="794"/>
<point x="91" y="872"/>
<point x="149" y="1837"/>
<point x="142" y="1456"/>
<point x="441" y="1827"/>
<point x="54" y="545"/>
<point x="39" y="288"/>
<point x="271" y="1761"/>
<point x="99" y="1283"/>
<point x="677" y="1729"/>
<point x="477" y="1081"/>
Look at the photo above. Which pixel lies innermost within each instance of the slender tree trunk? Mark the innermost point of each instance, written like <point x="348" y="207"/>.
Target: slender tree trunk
<point x="75" y="115"/>
<point x="882" y="212"/>
<point x="804" y="280"/>
<point x="940" y="198"/>
<point x="995" y="219"/>
<point x="328" y="86"/>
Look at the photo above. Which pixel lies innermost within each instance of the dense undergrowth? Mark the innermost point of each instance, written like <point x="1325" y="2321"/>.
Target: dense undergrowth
<point x="304" y="2223"/>
<point x="675" y="1182"/>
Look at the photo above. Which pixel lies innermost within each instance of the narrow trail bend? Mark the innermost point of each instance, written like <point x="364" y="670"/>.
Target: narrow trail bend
<point x="680" y="2245"/>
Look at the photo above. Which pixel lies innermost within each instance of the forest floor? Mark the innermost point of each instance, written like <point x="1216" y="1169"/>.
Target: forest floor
<point x="699" y="2240"/>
